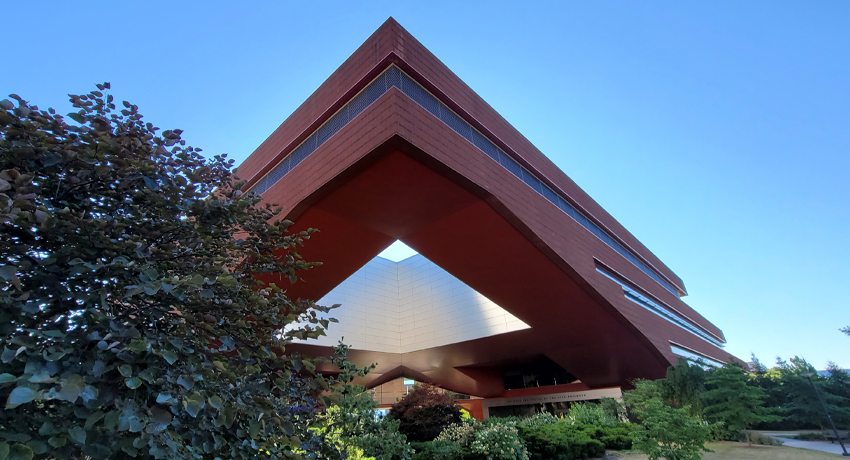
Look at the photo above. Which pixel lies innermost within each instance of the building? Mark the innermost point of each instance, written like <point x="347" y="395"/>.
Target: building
<point x="524" y="290"/>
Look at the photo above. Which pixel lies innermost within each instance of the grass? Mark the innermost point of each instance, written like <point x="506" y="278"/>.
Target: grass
<point x="740" y="451"/>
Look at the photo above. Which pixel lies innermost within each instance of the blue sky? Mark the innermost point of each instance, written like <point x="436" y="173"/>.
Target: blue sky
<point x="716" y="132"/>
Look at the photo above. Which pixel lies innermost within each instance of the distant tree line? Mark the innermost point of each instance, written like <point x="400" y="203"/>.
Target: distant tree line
<point x="783" y="391"/>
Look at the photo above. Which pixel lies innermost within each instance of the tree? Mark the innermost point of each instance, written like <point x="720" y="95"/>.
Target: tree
<point x="684" y="385"/>
<point x="802" y="404"/>
<point x="669" y="432"/>
<point x="845" y="330"/>
<point x="644" y="392"/>
<point x="350" y="423"/>
<point x="735" y="403"/>
<point x="425" y="412"/>
<point x="132" y="319"/>
<point x="770" y="381"/>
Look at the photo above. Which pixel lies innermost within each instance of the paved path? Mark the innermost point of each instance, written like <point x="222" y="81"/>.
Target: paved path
<point x="823" y="446"/>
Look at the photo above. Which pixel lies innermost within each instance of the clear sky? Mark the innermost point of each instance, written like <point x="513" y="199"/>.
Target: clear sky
<point x="716" y="132"/>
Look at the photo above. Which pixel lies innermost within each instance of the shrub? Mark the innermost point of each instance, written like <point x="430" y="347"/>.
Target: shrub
<point x="499" y="442"/>
<point x="437" y="450"/>
<point x="132" y="314"/>
<point x="350" y="425"/>
<point x="560" y="441"/>
<point x="461" y="434"/>
<point x="425" y="412"/>
<point x="670" y="433"/>
<point x="590" y="414"/>
<point x="385" y="442"/>
<point x="758" y="438"/>
<point x="810" y="436"/>
<point x="617" y="437"/>
<point x="536" y="420"/>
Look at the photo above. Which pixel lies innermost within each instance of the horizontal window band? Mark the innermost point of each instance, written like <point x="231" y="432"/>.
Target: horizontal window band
<point x="644" y="301"/>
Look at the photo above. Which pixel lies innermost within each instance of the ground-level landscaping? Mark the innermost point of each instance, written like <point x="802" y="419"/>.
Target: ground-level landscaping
<point x="740" y="451"/>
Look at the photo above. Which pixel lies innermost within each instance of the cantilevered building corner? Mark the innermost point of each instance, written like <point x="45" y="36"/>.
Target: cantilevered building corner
<point x="524" y="290"/>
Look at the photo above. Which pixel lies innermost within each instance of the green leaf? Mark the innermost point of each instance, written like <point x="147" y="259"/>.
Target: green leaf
<point x="151" y="273"/>
<point x="37" y="447"/>
<point x="77" y="435"/>
<point x="136" y="424"/>
<point x="253" y="429"/>
<point x="215" y="401"/>
<point x="72" y="389"/>
<point x="20" y="395"/>
<point x="7" y="378"/>
<point x="77" y="117"/>
<point x="186" y="381"/>
<point x="8" y="355"/>
<point x="47" y="429"/>
<point x="288" y="428"/>
<point x="193" y="407"/>
<point x="57" y="441"/>
<point x="4" y="450"/>
<point x="6" y="105"/>
<point x="207" y="293"/>
<point x="220" y="365"/>
<point x="7" y="272"/>
<point x="42" y="376"/>
<point x="170" y="356"/>
<point x="152" y="184"/>
<point x="19" y="452"/>
<point x="93" y="418"/>
<point x="125" y="370"/>
<point x="110" y="421"/>
<point x="159" y="415"/>
<point x="133" y="383"/>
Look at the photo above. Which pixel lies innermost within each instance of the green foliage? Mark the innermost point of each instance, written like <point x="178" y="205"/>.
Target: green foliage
<point x="540" y="419"/>
<point x="684" y="385"/>
<point x="801" y="403"/>
<point x="590" y="414"/>
<point x="644" y="392"/>
<point x="462" y="433"/>
<point x="425" y="412"/>
<point x="735" y="403"/>
<point x="561" y="441"/>
<point x="499" y="442"/>
<point x="496" y="439"/>
<point x="351" y="425"/>
<point x="133" y="318"/>
<point x="614" y="408"/>
<point x="845" y="330"/>
<point x="669" y="432"/>
<point x="437" y="450"/>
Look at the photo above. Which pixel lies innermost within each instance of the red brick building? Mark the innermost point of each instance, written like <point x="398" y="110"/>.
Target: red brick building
<point x="525" y="291"/>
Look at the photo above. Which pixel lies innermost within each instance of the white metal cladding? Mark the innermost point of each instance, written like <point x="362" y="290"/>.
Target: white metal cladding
<point x="395" y="77"/>
<point x="400" y="307"/>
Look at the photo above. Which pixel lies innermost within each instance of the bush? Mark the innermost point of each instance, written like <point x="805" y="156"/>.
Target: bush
<point x="758" y="438"/>
<point x="810" y="436"/>
<point x="560" y="441"/>
<point x="461" y="434"/>
<point x="133" y="320"/>
<point x="499" y="442"/>
<point x="670" y="433"/>
<point x="385" y="442"/>
<point x="425" y="412"/>
<point x="590" y="414"/>
<point x="437" y="450"/>
<point x="350" y="425"/>
<point x="536" y="420"/>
